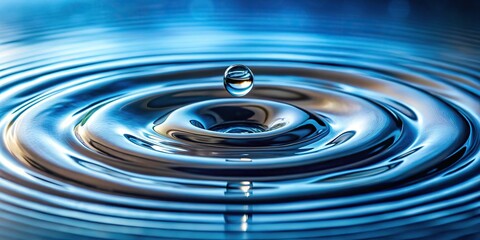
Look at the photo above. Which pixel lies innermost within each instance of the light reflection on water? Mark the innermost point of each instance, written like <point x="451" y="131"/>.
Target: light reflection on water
<point x="116" y="124"/>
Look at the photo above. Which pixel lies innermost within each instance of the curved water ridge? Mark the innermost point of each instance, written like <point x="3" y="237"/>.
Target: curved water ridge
<point x="338" y="139"/>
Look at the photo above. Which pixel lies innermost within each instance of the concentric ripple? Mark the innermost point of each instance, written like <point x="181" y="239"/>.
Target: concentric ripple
<point x="137" y="138"/>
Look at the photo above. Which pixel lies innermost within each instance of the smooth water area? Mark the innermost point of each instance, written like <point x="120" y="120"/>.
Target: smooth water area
<point x="124" y="128"/>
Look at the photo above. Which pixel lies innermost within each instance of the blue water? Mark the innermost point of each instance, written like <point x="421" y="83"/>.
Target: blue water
<point x="363" y="122"/>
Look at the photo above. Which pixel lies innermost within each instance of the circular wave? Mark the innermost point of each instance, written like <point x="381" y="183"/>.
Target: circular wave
<point x="337" y="139"/>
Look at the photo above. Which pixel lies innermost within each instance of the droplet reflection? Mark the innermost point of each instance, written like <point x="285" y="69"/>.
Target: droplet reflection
<point x="238" y="80"/>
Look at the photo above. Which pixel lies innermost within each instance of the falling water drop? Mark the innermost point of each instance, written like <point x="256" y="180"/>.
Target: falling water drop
<point x="238" y="80"/>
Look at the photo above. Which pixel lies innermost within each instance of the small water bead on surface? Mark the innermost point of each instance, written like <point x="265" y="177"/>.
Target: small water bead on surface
<point x="238" y="80"/>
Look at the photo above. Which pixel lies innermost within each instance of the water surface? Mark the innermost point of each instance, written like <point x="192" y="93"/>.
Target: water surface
<point x="115" y="123"/>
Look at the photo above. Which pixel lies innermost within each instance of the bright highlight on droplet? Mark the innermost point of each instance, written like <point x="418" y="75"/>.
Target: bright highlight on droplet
<point x="238" y="80"/>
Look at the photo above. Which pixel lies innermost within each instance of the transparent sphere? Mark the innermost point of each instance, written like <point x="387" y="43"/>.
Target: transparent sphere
<point x="238" y="80"/>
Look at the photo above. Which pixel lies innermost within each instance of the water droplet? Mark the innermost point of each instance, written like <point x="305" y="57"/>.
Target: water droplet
<point x="238" y="80"/>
